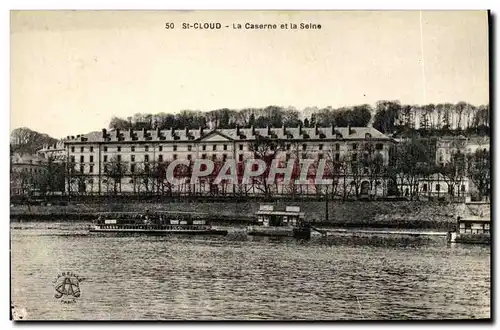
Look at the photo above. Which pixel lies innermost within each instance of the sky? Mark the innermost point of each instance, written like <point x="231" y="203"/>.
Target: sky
<point x="71" y="71"/>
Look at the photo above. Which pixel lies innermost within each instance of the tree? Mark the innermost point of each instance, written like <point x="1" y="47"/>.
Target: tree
<point x="265" y="149"/>
<point x="26" y="141"/>
<point x="411" y="163"/>
<point x="360" y="115"/>
<point x="453" y="172"/>
<point x="119" y="123"/>
<point x="115" y="170"/>
<point x="386" y="114"/>
<point x="478" y="171"/>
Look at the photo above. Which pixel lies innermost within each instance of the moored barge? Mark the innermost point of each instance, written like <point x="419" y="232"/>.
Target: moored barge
<point x="473" y="230"/>
<point x="157" y="224"/>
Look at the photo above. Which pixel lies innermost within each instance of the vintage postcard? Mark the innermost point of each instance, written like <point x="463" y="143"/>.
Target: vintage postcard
<point x="250" y="165"/>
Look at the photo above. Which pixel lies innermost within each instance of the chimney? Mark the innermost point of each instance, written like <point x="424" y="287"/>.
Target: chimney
<point x="172" y="131"/>
<point x="201" y="130"/>
<point x="117" y="133"/>
<point x="349" y="129"/>
<point x="238" y="130"/>
<point x="144" y="131"/>
<point x="268" y="130"/>
<point x="333" y="129"/>
<point x="187" y="131"/>
<point x="131" y="132"/>
<point x="253" y="130"/>
<point x="284" y="129"/>
<point x="300" y="128"/>
<point x="158" y="132"/>
<point x="104" y="133"/>
<point x="316" y="131"/>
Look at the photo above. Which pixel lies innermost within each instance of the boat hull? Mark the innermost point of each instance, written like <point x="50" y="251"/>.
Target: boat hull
<point x="160" y="231"/>
<point x="301" y="233"/>
<point x="470" y="238"/>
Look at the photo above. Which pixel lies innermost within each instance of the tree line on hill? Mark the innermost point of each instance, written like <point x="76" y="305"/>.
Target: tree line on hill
<point x="390" y="117"/>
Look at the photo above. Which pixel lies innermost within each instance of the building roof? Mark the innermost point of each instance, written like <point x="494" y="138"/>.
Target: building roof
<point x="241" y="134"/>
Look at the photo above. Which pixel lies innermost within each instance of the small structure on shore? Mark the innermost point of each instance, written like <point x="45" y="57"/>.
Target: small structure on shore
<point x="289" y="222"/>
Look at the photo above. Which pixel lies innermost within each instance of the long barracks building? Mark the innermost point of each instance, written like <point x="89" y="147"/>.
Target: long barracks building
<point x="91" y="155"/>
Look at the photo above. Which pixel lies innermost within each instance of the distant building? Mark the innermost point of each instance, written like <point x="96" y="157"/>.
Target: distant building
<point x="56" y="152"/>
<point x="25" y="171"/>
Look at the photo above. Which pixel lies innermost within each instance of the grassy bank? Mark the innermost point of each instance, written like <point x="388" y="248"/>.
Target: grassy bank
<point x="401" y="214"/>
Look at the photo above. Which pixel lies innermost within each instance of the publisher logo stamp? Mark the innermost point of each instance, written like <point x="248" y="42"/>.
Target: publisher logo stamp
<point x="67" y="287"/>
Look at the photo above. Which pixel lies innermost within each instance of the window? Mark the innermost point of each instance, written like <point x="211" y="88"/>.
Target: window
<point x="287" y="157"/>
<point x="146" y="158"/>
<point x="91" y="169"/>
<point x="354" y="157"/>
<point x="82" y="159"/>
<point x="146" y="148"/>
<point x="320" y="147"/>
<point x="224" y="157"/>
<point x="462" y="188"/>
<point x="379" y="146"/>
<point x="119" y="158"/>
<point x="132" y="149"/>
<point x="132" y="158"/>
<point x="160" y="158"/>
<point x="72" y="159"/>
<point x="118" y="149"/>
<point x="188" y="157"/>
<point x="105" y="149"/>
<point x="214" y="157"/>
<point x="214" y="147"/>
<point x="304" y="156"/>
<point x="438" y="187"/>
<point x="424" y="188"/>
<point x="241" y="147"/>
<point x="91" y="158"/>
<point x="81" y="168"/>
<point x="203" y="156"/>
<point x="288" y="146"/>
<point x="240" y="158"/>
<point x="82" y="149"/>
<point x="337" y="157"/>
<point x="160" y="148"/>
<point x="304" y="146"/>
<point x="132" y="168"/>
<point x="175" y="147"/>
<point x="174" y="156"/>
<point x="320" y="156"/>
<point x="72" y="149"/>
<point x="225" y="147"/>
<point x="190" y="147"/>
<point x="204" y="147"/>
<point x="91" y="149"/>
<point x="337" y="146"/>
<point x="354" y="146"/>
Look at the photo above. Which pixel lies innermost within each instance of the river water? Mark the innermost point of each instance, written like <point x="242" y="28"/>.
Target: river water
<point x="236" y="277"/>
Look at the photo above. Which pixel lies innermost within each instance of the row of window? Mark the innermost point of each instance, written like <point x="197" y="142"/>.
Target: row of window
<point x="160" y="148"/>
<point x="214" y="157"/>
<point x="378" y="146"/>
<point x="354" y="157"/>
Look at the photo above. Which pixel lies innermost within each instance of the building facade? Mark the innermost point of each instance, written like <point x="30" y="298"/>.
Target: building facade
<point x="125" y="162"/>
<point x="26" y="172"/>
<point x="56" y="152"/>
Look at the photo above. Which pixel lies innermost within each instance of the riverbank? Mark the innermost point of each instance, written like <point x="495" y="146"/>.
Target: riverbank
<point x="355" y="214"/>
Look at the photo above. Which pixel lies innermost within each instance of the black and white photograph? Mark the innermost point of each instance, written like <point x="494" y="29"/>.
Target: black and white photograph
<point x="250" y="165"/>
